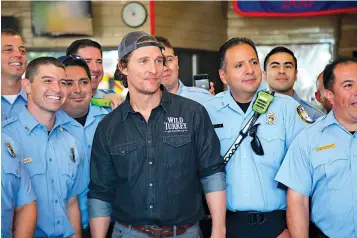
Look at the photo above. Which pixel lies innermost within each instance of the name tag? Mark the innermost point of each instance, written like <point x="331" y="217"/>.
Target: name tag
<point x="27" y="160"/>
<point x="325" y="147"/>
<point x="218" y="126"/>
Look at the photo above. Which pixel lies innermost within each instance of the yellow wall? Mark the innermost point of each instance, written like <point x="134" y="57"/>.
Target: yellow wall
<point x="196" y="25"/>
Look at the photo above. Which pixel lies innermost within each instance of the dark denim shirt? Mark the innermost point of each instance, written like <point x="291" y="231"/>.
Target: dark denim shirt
<point x="151" y="171"/>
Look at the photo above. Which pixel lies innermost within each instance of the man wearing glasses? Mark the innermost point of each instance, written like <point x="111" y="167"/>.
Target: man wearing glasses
<point x="255" y="205"/>
<point x="170" y="78"/>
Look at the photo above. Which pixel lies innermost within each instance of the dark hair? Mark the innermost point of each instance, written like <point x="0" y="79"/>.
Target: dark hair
<point x="10" y="32"/>
<point x="32" y="67"/>
<point x="165" y="42"/>
<point x="229" y="44"/>
<point x="119" y="75"/>
<point x="329" y="75"/>
<point x="82" y="43"/>
<point x="279" y="49"/>
<point x="77" y="62"/>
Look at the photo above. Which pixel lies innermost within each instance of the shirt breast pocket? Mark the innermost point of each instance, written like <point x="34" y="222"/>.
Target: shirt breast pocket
<point x="335" y="167"/>
<point x="177" y="148"/>
<point x="125" y="159"/>
<point x="11" y="167"/>
<point x="272" y="139"/>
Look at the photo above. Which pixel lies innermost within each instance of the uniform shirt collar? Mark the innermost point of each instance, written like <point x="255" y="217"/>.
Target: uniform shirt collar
<point x="228" y="100"/>
<point x="164" y="103"/>
<point x="296" y="97"/>
<point x="29" y="122"/>
<point x="181" y="87"/>
<point x="22" y="94"/>
<point x="330" y="120"/>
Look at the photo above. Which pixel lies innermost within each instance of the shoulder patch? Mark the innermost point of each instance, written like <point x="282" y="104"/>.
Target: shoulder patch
<point x="10" y="149"/>
<point x="304" y="116"/>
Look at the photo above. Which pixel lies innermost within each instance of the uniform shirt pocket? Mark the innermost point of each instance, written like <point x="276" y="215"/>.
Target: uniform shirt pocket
<point x="125" y="159"/>
<point x="272" y="139"/>
<point x="335" y="168"/>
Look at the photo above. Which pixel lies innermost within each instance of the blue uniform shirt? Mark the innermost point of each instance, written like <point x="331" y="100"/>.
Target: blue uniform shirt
<point x="199" y="95"/>
<point x="9" y="110"/>
<point x="313" y="112"/>
<point x="54" y="162"/>
<point x="250" y="177"/>
<point x="322" y="163"/>
<point x="16" y="189"/>
<point x="85" y="135"/>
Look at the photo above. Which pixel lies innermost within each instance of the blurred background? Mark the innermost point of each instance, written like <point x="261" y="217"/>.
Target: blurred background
<point x="316" y="31"/>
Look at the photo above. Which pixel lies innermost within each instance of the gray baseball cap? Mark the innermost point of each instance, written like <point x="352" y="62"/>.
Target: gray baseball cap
<point x="135" y="40"/>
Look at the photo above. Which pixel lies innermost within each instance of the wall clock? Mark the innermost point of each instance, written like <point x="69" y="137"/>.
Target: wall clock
<point x="134" y="14"/>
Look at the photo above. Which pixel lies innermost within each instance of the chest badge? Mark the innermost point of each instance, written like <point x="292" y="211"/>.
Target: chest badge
<point x="27" y="160"/>
<point x="73" y="156"/>
<point x="271" y="118"/>
<point x="10" y="149"/>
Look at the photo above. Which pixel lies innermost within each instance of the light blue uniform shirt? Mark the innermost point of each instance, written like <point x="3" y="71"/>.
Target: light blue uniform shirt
<point x="199" y="95"/>
<point x="100" y="93"/>
<point x="250" y="177"/>
<point x="8" y="109"/>
<point x="313" y="112"/>
<point x="16" y="189"/>
<point x="322" y="163"/>
<point x="54" y="163"/>
<point x="85" y="135"/>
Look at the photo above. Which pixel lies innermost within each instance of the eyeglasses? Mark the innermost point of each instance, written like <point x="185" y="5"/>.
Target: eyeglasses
<point x="255" y="143"/>
<point x="70" y="57"/>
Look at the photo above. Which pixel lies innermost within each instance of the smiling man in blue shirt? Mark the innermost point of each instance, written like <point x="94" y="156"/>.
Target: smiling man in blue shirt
<point x="53" y="158"/>
<point x="280" y="71"/>
<point x="84" y="119"/>
<point x="13" y="65"/>
<point x="321" y="164"/>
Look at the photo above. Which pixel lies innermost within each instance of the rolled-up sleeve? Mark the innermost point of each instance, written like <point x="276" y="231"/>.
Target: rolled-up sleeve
<point x="102" y="173"/>
<point x="213" y="183"/>
<point x="99" y="208"/>
<point x="207" y="145"/>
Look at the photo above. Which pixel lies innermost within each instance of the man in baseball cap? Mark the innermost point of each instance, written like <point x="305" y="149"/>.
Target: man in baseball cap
<point x="152" y="155"/>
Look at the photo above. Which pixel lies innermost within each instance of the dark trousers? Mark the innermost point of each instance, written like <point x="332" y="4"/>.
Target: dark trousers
<point x="246" y="225"/>
<point x="315" y="232"/>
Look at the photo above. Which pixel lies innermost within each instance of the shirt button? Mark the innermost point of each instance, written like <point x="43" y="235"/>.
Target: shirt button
<point x="245" y="195"/>
<point x="151" y="206"/>
<point x="150" y="184"/>
<point x="150" y="162"/>
<point x="56" y="201"/>
<point x="50" y="159"/>
<point x="88" y="146"/>
<point x="149" y="141"/>
<point x="52" y="180"/>
<point x="58" y="222"/>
